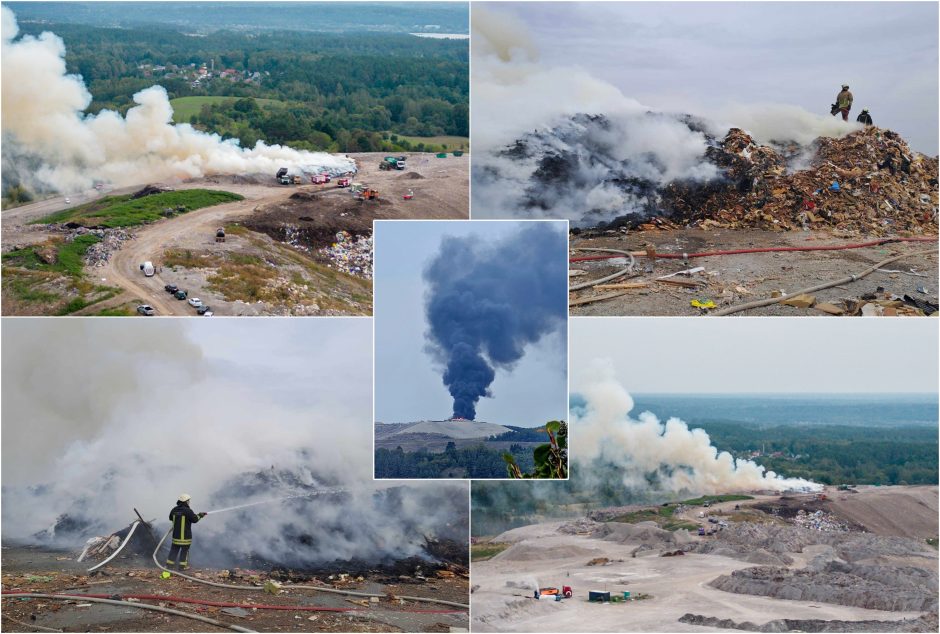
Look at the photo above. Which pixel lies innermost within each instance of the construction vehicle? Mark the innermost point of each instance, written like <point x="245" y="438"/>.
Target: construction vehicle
<point x="220" y="235"/>
<point x="564" y="592"/>
<point x="367" y="193"/>
<point x="343" y="182"/>
<point x="392" y="163"/>
<point x="281" y="175"/>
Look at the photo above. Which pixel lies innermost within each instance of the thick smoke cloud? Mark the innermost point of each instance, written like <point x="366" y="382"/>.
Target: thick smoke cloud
<point x="675" y="457"/>
<point x="103" y="417"/>
<point x="43" y="118"/>
<point x="487" y="302"/>
<point x="550" y="108"/>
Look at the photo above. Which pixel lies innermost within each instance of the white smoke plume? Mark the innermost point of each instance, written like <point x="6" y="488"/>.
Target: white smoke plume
<point x="102" y="417"/>
<point x="682" y="459"/>
<point x="43" y="118"/>
<point x="515" y="96"/>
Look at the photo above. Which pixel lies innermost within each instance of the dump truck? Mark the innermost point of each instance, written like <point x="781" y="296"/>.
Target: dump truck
<point x="220" y="235"/>
<point x="281" y="173"/>
<point x="564" y="592"/>
<point x="392" y="163"/>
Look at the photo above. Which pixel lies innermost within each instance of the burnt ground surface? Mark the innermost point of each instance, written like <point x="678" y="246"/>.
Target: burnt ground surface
<point x="736" y="279"/>
<point x="35" y="569"/>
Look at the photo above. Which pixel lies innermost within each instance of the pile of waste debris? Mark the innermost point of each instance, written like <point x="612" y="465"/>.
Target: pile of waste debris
<point x="110" y="241"/>
<point x="868" y="182"/>
<point x="819" y="521"/>
<point x="350" y="254"/>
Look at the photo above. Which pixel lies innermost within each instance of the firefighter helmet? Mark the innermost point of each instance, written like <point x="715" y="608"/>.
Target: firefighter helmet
<point x="184" y="498"/>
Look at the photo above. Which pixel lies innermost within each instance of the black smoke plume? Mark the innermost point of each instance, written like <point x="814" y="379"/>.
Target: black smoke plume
<point x="487" y="302"/>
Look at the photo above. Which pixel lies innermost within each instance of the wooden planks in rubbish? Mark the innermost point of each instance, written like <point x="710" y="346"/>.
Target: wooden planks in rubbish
<point x="678" y="282"/>
<point x="621" y="286"/>
<point x="596" y="298"/>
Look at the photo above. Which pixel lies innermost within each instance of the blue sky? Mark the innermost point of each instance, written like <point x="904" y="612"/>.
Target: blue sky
<point x="408" y="386"/>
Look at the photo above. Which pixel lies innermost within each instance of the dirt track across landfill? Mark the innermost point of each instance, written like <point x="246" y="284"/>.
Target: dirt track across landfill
<point x="672" y="574"/>
<point x="440" y="189"/>
<point x="730" y="280"/>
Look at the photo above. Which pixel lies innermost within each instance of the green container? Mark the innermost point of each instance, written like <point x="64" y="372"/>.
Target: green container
<point x="626" y="595"/>
<point x="458" y="152"/>
<point x="442" y="155"/>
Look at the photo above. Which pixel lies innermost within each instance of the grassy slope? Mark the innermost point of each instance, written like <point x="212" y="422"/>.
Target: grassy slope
<point x="123" y="211"/>
<point x="186" y="107"/>
<point x="452" y="142"/>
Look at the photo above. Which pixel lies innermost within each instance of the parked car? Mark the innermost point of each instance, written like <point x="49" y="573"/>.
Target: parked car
<point x="68" y="201"/>
<point x="202" y="309"/>
<point x="208" y="313"/>
<point x="180" y="294"/>
<point x="195" y="302"/>
<point x="146" y="310"/>
<point x="147" y="268"/>
<point x="171" y="288"/>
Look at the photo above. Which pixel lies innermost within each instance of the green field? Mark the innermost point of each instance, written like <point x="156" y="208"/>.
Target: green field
<point x="186" y="107"/>
<point x="124" y="211"/>
<point x="452" y="142"/>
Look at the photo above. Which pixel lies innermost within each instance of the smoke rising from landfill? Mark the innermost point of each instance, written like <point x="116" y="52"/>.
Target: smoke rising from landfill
<point x="175" y="408"/>
<point x="49" y="142"/>
<point x="486" y="303"/>
<point x="679" y="458"/>
<point x="553" y="141"/>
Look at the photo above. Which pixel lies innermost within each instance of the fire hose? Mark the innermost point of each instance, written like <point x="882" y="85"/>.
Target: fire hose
<point x="226" y="604"/>
<point x="706" y="254"/>
<point x="366" y="595"/>
<point x="126" y="604"/>
<point x="120" y="548"/>
<point x="616" y="253"/>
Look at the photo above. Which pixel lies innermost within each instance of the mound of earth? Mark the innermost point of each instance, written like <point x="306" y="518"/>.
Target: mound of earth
<point x="643" y="532"/>
<point x="454" y="428"/>
<point x="925" y="623"/>
<point x="529" y="551"/>
<point x="899" y="588"/>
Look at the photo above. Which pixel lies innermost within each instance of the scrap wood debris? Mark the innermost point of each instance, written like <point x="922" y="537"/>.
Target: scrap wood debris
<point x="869" y="182"/>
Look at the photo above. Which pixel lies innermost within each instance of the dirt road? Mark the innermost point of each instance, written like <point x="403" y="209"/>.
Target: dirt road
<point x="677" y="585"/>
<point x="440" y="188"/>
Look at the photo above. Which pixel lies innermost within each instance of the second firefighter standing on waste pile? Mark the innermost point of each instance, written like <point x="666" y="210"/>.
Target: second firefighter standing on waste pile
<point x="183" y="519"/>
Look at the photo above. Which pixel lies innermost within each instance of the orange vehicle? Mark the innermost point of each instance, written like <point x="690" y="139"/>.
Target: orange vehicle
<point x="559" y="593"/>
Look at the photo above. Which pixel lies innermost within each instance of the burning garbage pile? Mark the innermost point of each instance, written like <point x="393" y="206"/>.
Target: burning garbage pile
<point x="351" y="254"/>
<point x="868" y="182"/>
<point x="603" y="171"/>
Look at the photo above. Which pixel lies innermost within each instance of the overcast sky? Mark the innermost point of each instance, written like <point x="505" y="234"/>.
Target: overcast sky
<point x="702" y="56"/>
<point x="408" y="386"/>
<point x="763" y="355"/>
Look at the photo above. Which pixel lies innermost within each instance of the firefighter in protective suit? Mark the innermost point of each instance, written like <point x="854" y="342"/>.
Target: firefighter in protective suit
<point x="183" y="519"/>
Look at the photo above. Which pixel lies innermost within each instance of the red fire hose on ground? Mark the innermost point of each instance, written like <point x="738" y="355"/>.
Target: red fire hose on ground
<point x="224" y="604"/>
<point x="706" y="254"/>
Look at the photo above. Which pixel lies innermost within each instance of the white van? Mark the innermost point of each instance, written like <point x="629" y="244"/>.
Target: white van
<point x="147" y="268"/>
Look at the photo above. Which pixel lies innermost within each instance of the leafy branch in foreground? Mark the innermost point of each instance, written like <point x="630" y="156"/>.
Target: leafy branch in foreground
<point x="551" y="459"/>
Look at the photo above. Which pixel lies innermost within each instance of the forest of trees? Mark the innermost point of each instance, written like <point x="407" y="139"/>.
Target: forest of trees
<point x="341" y="92"/>
<point x="837" y="454"/>
<point x="478" y="461"/>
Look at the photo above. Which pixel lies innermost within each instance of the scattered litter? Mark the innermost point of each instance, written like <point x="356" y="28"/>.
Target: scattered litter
<point x="704" y="304"/>
<point x="353" y="256"/>
<point x="800" y="301"/>
<point x="697" y="269"/>
<point x="239" y="612"/>
<point x="272" y="587"/>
